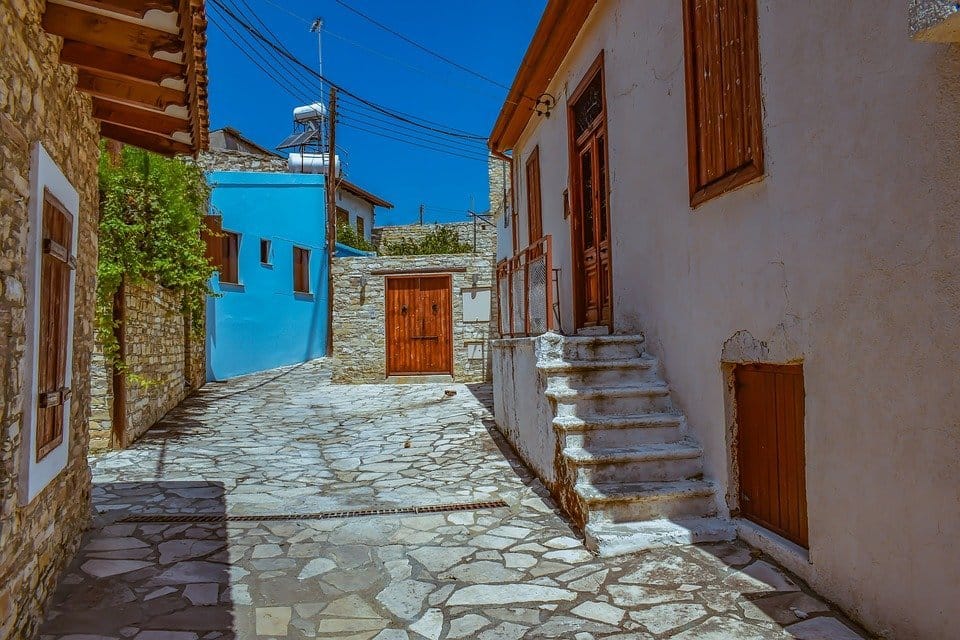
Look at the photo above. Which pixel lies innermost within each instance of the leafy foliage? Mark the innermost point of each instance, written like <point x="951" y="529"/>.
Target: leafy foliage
<point x="349" y="236"/>
<point x="442" y="240"/>
<point x="151" y="211"/>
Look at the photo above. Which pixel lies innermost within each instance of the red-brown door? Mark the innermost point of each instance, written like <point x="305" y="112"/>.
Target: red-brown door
<point x="418" y="315"/>
<point x="770" y="448"/>
<point x="590" y="203"/>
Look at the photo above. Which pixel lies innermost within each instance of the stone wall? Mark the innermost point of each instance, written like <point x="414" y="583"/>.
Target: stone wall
<point x="229" y="160"/>
<point x="359" y="337"/>
<point x="486" y="234"/>
<point x="164" y="362"/>
<point x="498" y="175"/>
<point x="38" y="103"/>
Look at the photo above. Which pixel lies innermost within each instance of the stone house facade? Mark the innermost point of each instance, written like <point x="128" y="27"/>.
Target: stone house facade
<point x="360" y="313"/>
<point x="826" y="260"/>
<point x="48" y="195"/>
<point x="165" y="361"/>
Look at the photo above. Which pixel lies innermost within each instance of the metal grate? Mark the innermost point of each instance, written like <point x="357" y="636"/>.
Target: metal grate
<point x="323" y="515"/>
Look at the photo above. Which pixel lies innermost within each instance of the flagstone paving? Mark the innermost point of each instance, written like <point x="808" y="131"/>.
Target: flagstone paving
<point x="290" y="443"/>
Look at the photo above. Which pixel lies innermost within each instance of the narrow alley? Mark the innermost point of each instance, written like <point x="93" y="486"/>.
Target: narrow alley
<point x="282" y="506"/>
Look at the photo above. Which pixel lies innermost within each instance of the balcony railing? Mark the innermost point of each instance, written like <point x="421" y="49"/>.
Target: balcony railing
<point x="524" y="290"/>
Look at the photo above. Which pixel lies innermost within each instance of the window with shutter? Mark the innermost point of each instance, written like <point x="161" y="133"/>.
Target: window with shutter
<point x="55" y="273"/>
<point x="534" y="212"/>
<point x="230" y="264"/>
<point x="724" y="120"/>
<point x="360" y="226"/>
<point x="301" y="270"/>
<point x="343" y="217"/>
<point x="264" y="251"/>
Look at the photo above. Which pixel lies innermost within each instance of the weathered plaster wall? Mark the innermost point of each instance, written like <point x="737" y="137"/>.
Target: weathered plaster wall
<point x="521" y="409"/>
<point x="845" y="253"/>
<point x="38" y="103"/>
<point x="359" y="315"/>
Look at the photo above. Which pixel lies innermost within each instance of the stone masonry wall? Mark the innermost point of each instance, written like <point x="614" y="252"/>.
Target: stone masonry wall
<point x="164" y="362"/>
<point x="359" y="340"/>
<point x="486" y="234"/>
<point x="38" y="103"/>
<point x="229" y="160"/>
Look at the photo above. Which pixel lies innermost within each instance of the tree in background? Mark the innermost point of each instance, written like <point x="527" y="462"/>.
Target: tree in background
<point x="347" y="235"/>
<point x="442" y="240"/>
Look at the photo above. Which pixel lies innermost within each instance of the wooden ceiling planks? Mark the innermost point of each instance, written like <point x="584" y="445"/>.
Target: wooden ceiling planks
<point x="113" y="45"/>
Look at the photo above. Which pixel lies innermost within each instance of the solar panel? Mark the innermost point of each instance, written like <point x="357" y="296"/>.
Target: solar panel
<point x="300" y="138"/>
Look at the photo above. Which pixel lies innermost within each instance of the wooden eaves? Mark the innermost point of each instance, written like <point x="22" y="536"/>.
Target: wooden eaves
<point x="559" y="26"/>
<point x="144" y="63"/>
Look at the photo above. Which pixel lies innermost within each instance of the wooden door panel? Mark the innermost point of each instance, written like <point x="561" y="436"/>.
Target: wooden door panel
<point x="770" y="448"/>
<point x="419" y="313"/>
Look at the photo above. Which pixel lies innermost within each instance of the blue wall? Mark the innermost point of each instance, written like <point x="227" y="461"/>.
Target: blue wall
<point x="261" y="323"/>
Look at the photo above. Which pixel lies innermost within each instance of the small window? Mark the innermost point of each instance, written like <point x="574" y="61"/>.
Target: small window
<point x="264" y="251"/>
<point x="343" y="217"/>
<point x="360" y="226"/>
<point x="230" y="267"/>
<point x="301" y="270"/>
<point x="724" y="124"/>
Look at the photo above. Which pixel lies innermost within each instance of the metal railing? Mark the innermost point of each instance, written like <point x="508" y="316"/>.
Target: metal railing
<point x="524" y="290"/>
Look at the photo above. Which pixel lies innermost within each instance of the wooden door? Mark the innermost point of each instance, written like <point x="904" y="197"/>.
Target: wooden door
<point x="55" y="272"/>
<point x="770" y="448"/>
<point x="590" y="203"/>
<point x="419" y="325"/>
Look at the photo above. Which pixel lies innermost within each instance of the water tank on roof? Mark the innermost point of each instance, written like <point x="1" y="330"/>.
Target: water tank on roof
<point x="310" y="113"/>
<point x="311" y="163"/>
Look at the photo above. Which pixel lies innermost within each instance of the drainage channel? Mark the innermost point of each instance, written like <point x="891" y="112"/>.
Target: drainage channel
<point x="173" y="518"/>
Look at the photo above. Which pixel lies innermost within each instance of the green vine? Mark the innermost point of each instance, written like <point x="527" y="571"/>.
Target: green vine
<point x="151" y="212"/>
<point x="442" y="240"/>
<point x="349" y="236"/>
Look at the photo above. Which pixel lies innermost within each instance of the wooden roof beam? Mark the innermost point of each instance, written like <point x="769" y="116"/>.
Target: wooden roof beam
<point x="136" y="118"/>
<point x="144" y="140"/>
<point x="87" y="56"/>
<point x="130" y="91"/>
<point x="71" y="23"/>
<point x="132" y="8"/>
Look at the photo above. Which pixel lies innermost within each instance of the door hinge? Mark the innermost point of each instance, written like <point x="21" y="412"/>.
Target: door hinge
<point x="50" y="399"/>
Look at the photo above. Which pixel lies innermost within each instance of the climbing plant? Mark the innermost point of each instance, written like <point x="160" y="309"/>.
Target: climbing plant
<point x="442" y="240"/>
<point x="151" y="211"/>
<point x="347" y="235"/>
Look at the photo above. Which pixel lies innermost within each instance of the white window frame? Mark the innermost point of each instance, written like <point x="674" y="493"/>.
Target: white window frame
<point x="35" y="475"/>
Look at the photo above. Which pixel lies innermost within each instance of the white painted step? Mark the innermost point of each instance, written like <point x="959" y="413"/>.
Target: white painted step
<point x="602" y="347"/>
<point x="661" y="462"/>
<point x="622" y="400"/>
<point x="617" y="539"/>
<point x="592" y="431"/>
<point x="639" y="501"/>
<point x="594" y="373"/>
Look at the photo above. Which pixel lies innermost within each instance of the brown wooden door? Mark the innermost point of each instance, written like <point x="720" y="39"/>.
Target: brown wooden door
<point x="770" y="448"/>
<point x="419" y="330"/>
<point x="55" y="272"/>
<point x="590" y="203"/>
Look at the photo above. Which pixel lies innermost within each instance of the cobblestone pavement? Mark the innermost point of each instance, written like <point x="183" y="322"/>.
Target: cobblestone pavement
<point x="289" y="443"/>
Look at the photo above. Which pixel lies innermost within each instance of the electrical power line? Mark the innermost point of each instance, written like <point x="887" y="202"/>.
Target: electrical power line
<point x="423" y="48"/>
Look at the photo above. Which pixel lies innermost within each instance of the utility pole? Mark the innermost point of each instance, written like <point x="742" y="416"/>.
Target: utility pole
<point x="421" y="214"/>
<point x="331" y="210"/>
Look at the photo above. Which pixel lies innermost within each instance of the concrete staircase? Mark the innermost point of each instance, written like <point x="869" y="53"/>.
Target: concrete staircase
<point x="629" y="473"/>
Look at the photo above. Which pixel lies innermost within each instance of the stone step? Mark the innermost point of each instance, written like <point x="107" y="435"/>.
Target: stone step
<point x="619" y="431"/>
<point x="640" y="501"/>
<point x="607" y="539"/>
<point x="622" y="400"/>
<point x="602" y="347"/>
<point x="591" y="373"/>
<point x="661" y="462"/>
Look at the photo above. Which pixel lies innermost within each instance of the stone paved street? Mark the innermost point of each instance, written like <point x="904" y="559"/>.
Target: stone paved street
<point x="289" y="443"/>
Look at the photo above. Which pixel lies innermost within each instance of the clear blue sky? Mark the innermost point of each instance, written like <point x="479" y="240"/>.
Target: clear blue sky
<point x="489" y="37"/>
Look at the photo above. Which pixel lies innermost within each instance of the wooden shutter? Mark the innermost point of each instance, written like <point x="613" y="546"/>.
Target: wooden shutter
<point x="343" y="217"/>
<point x="770" y="448"/>
<point x="724" y="120"/>
<point x="360" y="227"/>
<point x="55" y="273"/>
<point x="212" y="232"/>
<point x="534" y="211"/>
<point x="301" y="270"/>
<point x="230" y="258"/>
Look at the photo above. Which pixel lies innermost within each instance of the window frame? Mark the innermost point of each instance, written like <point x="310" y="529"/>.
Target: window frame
<point x="266" y="248"/>
<point x="299" y="275"/>
<point x="225" y="262"/>
<point x="534" y="197"/>
<point x="752" y="168"/>
<point x="343" y="216"/>
<point x="361" y="224"/>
